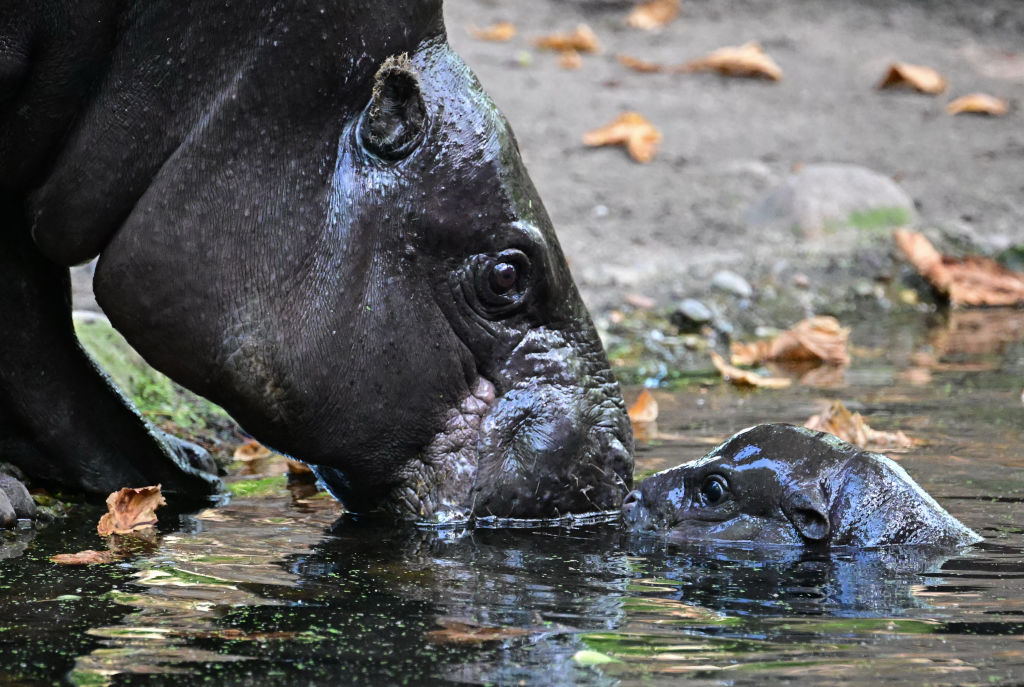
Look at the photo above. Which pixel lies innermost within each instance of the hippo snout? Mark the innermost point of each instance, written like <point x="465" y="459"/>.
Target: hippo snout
<point x="635" y="514"/>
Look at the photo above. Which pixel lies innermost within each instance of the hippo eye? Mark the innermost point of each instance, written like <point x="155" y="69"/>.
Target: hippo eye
<point x="501" y="282"/>
<point x="714" y="490"/>
<point x="503" y="277"/>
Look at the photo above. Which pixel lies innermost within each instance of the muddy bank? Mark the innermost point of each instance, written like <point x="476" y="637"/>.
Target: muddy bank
<point x="664" y="229"/>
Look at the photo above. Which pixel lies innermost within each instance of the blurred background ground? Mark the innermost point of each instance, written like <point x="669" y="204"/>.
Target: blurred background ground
<point x="662" y="230"/>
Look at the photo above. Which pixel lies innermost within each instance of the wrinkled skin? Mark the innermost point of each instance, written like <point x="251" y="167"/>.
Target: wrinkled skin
<point x="316" y="218"/>
<point x="783" y="485"/>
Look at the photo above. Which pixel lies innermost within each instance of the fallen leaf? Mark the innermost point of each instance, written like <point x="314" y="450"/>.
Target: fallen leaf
<point x="747" y="60"/>
<point x="653" y="14"/>
<point x="501" y="32"/>
<point x="588" y="657"/>
<point x="851" y="427"/>
<point x="639" y="301"/>
<point x="638" y="65"/>
<point x="583" y="39"/>
<point x="815" y="338"/>
<point x="252" y="450"/>
<point x="643" y="414"/>
<point x="978" y="103"/>
<point x="130" y="510"/>
<point x="87" y="557"/>
<point x="645" y="409"/>
<point x="914" y="76"/>
<point x="297" y="468"/>
<point x="462" y="632"/>
<point x="570" y="59"/>
<point x="631" y="129"/>
<point x="972" y="280"/>
<point x="746" y="377"/>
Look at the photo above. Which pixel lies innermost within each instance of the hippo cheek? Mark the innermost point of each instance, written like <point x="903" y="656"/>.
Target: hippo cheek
<point x="544" y="453"/>
<point x="742" y="529"/>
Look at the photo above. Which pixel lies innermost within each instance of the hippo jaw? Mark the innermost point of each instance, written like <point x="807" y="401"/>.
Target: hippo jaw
<point x="786" y="485"/>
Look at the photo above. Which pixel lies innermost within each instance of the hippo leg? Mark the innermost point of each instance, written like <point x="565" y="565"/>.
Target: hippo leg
<point x="86" y="435"/>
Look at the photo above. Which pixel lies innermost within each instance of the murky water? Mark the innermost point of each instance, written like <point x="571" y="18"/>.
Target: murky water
<point x="277" y="590"/>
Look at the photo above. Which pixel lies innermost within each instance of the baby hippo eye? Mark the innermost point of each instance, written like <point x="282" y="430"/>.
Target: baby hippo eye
<point x="503" y="277"/>
<point x="714" y="490"/>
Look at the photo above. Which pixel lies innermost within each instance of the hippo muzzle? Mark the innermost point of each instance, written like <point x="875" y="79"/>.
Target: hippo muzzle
<point x="778" y="484"/>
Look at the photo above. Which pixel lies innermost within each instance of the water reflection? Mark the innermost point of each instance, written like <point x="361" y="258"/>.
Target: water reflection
<point x="278" y="590"/>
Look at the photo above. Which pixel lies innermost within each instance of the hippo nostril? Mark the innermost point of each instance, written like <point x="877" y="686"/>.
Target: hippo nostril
<point x="634" y="499"/>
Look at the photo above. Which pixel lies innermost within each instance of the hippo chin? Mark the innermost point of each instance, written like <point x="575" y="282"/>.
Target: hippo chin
<point x="312" y="216"/>
<point x="778" y="484"/>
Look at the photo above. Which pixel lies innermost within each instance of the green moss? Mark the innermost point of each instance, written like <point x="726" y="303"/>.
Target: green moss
<point x="254" y="488"/>
<point x="879" y="218"/>
<point x="158" y="398"/>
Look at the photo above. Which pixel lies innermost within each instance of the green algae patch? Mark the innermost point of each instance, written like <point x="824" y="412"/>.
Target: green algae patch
<point x="257" y="488"/>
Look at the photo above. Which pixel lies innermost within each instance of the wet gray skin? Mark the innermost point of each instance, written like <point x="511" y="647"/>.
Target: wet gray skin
<point x="316" y="218"/>
<point x="778" y="484"/>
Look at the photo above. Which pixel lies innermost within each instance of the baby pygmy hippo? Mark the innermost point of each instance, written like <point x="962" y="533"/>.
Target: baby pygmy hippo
<point x="781" y="484"/>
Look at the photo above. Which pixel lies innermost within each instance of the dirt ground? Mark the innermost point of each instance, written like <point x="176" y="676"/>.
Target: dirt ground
<point x="662" y="229"/>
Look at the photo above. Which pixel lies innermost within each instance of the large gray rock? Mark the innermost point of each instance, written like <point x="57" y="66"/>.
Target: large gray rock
<point x="820" y="199"/>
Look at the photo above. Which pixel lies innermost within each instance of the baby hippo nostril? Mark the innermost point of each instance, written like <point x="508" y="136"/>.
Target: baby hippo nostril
<point x="633" y="500"/>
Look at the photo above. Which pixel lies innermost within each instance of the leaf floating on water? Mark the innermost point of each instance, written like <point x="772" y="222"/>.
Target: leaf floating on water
<point x="464" y="632"/>
<point x="653" y="14"/>
<point x="978" y="103"/>
<point x="972" y="280"/>
<point x="501" y="32"/>
<point x="87" y="557"/>
<point x="130" y="510"/>
<point x="588" y="657"/>
<point x="638" y="65"/>
<point x="582" y="40"/>
<point x="813" y="339"/>
<point x="746" y="377"/>
<point x="630" y="129"/>
<point x="748" y="60"/>
<point x="851" y="427"/>
<point x="913" y="76"/>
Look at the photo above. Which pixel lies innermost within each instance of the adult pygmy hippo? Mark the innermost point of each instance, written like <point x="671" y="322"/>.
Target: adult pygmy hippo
<point x="310" y="213"/>
<point x="780" y="484"/>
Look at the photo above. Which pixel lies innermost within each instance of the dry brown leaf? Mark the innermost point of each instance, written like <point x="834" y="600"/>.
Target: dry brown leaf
<point x="638" y="65"/>
<point x="630" y="129"/>
<point x="643" y="415"/>
<point x="816" y="338"/>
<point x="297" y="468"/>
<point x="644" y="409"/>
<point x="501" y="32"/>
<point x="968" y="281"/>
<point x="570" y="59"/>
<point x="914" y="76"/>
<point x="583" y="39"/>
<point x="851" y="427"/>
<point x="978" y="103"/>
<point x="748" y="60"/>
<point x="87" y="557"/>
<point x="130" y="510"/>
<point x="746" y="377"/>
<point x="653" y="14"/>
<point x="252" y="450"/>
<point x="461" y="632"/>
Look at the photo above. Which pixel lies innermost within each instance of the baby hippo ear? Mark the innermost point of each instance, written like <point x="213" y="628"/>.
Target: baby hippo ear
<point x="806" y="509"/>
<point x="396" y="117"/>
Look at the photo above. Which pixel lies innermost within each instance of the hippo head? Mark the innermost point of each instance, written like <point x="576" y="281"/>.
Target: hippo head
<point x="318" y="220"/>
<point x="780" y="484"/>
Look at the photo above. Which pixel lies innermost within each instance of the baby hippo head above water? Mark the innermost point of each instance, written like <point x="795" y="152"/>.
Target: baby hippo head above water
<point x="780" y="484"/>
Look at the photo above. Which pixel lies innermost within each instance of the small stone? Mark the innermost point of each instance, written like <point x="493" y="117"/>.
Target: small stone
<point x="730" y="282"/>
<point x="18" y="497"/>
<point x="801" y="281"/>
<point x="691" y="315"/>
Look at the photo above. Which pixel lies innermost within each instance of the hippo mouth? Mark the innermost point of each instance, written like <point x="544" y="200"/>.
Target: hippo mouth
<point x="538" y="452"/>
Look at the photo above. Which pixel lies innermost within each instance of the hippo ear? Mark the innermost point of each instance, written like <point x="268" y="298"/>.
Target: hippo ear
<point x="807" y="510"/>
<point x="396" y="117"/>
